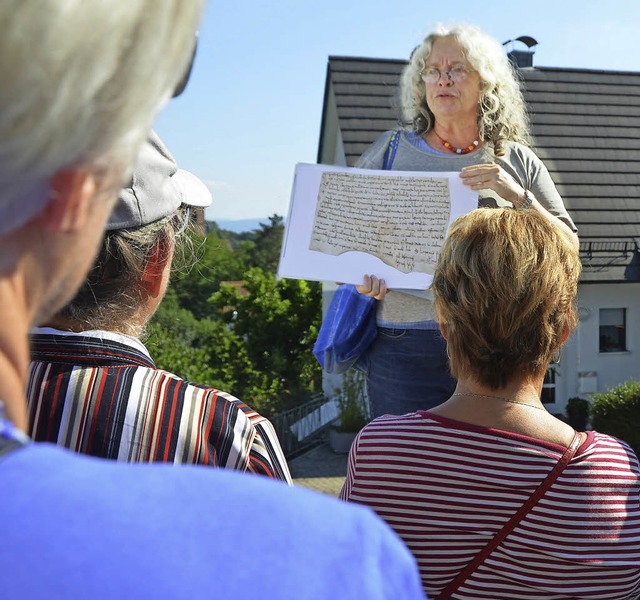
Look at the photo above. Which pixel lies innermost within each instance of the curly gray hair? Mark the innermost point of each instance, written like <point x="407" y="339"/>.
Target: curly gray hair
<point x="502" y="115"/>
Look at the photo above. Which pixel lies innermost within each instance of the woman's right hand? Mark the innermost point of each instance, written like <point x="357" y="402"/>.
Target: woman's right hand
<point x="374" y="287"/>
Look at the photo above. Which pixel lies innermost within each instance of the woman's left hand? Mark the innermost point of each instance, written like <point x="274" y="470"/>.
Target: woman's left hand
<point x="493" y="177"/>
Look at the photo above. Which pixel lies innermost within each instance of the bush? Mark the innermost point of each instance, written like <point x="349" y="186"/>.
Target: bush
<point x="578" y="410"/>
<point x="352" y="402"/>
<point x="617" y="412"/>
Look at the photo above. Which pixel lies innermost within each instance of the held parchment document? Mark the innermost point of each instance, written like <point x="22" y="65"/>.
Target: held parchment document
<point x="344" y="223"/>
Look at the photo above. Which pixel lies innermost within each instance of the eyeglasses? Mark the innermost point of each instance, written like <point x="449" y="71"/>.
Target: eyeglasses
<point x="455" y="74"/>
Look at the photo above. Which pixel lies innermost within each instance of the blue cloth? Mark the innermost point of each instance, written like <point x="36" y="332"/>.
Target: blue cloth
<point x="407" y="370"/>
<point x="75" y="526"/>
<point x="347" y="329"/>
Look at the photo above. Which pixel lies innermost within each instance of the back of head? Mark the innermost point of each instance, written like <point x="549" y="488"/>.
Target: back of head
<point x="502" y="114"/>
<point x="505" y="288"/>
<point x="81" y="82"/>
<point x="141" y="230"/>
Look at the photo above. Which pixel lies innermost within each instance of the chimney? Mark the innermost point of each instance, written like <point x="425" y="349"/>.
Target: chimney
<point x="521" y="59"/>
<point x="198" y="221"/>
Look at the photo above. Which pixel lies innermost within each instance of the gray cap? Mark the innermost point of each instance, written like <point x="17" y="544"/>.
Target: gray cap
<point x="158" y="188"/>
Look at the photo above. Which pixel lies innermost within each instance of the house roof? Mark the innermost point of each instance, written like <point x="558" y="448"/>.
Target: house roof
<point x="586" y="129"/>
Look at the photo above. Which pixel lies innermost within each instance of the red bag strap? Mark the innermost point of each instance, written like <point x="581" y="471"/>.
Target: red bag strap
<point x="511" y="524"/>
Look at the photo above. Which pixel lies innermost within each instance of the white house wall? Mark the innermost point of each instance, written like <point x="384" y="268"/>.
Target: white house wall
<point x="584" y="368"/>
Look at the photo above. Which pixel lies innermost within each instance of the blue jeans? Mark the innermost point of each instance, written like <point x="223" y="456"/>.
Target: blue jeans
<point x="407" y="370"/>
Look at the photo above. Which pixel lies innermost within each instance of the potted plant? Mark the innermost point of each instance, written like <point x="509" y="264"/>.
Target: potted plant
<point x="352" y="412"/>
<point x="578" y="413"/>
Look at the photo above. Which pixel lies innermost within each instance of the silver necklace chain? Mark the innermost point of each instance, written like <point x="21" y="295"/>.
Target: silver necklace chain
<point x="499" y="398"/>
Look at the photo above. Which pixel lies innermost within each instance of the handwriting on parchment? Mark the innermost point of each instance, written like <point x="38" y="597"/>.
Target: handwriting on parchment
<point x="401" y="220"/>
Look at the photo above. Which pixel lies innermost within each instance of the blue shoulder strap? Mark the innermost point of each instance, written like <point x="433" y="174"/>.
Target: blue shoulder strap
<point x="390" y="154"/>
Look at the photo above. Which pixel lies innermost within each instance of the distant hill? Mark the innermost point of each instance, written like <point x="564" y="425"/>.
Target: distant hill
<point x="241" y="225"/>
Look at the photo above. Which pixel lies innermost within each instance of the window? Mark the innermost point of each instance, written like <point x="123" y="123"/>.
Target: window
<point x="549" y="386"/>
<point x="613" y="330"/>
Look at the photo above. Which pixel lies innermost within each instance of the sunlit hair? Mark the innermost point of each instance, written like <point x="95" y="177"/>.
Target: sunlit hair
<point x="81" y="82"/>
<point x="111" y="295"/>
<point x="502" y="113"/>
<point x="504" y="288"/>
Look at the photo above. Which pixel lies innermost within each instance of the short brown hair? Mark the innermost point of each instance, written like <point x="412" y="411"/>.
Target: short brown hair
<point x="505" y="288"/>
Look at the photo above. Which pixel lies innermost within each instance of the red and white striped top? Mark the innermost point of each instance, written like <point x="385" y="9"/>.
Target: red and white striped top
<point x="447" y="487"/>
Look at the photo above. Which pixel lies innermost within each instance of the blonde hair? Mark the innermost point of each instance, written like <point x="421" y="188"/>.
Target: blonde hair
<point x="502" y="114"/>
<point x="504" y="288"/>
<point x="81" y="83"/>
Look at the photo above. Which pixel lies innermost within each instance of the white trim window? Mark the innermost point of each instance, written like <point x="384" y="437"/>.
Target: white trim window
<point x="613" y="330"/>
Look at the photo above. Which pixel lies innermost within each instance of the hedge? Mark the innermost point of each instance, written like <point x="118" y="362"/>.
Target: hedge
<point x="617" y="412"/>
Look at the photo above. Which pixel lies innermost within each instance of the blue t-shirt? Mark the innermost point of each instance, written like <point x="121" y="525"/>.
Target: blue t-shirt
<point x="79" y="527"/>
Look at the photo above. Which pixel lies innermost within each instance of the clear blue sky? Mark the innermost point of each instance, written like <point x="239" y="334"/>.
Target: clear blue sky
<point x="253" y="106"/>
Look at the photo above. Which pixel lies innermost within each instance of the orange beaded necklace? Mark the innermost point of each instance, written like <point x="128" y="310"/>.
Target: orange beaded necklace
<point x="455" y="150"/>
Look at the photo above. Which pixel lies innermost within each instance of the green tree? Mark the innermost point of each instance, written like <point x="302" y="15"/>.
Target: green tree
<point x="265" y="253"/>
<point x="224" y="256"/>
<point x="253" y="338"/>
<point x="204" y="351"/>
<point x="278" y="322"/>
<point x="173" y="339"/>
<point x="198" y="274"/>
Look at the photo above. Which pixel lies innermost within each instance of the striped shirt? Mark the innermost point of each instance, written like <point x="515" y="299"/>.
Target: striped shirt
<point x="100" y="393"/>
<point x="447" y="487"/>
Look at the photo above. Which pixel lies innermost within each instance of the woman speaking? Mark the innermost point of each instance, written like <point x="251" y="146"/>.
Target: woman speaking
<point x="467" y="114"/>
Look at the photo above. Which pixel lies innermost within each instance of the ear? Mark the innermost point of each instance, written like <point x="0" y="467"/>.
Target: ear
<point x="71" y="191"/>
<point x="155" y="269"/>
<point x="566" y="331"/>
<point x="443" y="329"/>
